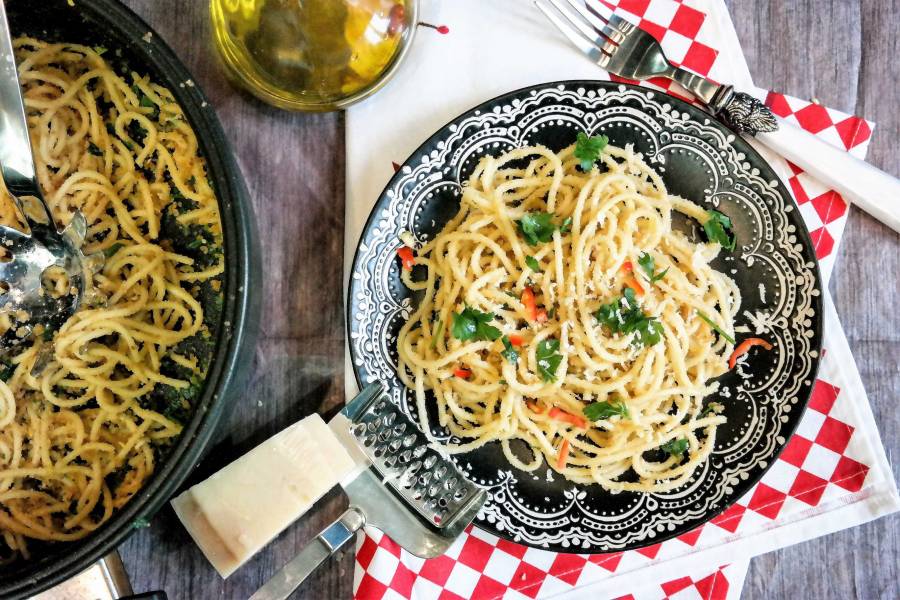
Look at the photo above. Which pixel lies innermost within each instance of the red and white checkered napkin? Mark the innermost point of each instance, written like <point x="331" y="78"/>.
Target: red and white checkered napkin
<point x="833" y="473"/>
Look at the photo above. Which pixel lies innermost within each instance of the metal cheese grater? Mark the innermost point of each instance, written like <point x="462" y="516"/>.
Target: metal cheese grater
<point x="406" y="488"/>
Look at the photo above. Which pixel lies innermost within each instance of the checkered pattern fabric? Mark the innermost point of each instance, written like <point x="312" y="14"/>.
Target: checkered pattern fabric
<point x="680" y="29"/>
<point x="481" y="566"/>
<point x="823" y="210"/>
<point x="824" y="464"/>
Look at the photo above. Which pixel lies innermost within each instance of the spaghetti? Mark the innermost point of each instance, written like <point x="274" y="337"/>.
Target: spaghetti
<point x="85" y="410"/>
<point x="560" y="308"/>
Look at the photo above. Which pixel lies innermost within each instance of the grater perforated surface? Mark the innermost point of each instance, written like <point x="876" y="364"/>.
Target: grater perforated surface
<point x="403" y="456"/>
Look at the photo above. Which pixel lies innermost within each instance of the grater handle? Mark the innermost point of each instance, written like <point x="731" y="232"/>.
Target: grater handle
<point x="329" y="542"/>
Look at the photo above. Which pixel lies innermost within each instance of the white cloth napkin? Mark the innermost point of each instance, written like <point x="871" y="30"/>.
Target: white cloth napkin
<point x="507" y="45"/>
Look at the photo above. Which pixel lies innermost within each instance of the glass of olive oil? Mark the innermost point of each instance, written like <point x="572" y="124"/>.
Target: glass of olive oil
<point x="312" y="55"/>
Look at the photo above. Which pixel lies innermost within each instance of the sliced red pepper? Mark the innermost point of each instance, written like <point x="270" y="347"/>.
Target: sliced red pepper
<point x="561" y="415"/>
<point x="633" y="284"/>
<point x="627" y="267"/>
<point x="462" y="372"/>
<point x="531" y="309"/>
<point x="563" y="454"/>
<point x="516" y="340"/>
<point x="541" y="316"/>
<point x="406" y="257"/>
<point x="744" y="347"/>
<point x="534" y="407"/>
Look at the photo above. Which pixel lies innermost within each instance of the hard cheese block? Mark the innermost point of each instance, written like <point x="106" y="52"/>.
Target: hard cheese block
<point x="240" y="509"/>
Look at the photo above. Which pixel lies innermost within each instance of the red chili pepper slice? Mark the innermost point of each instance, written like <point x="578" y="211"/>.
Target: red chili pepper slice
<point x="744" y="347"/>
<point x="462" y="372"/>
<point x="406" y="257"/>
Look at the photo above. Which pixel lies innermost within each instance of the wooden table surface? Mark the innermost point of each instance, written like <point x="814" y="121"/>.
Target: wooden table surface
<point x="842" y="52"/>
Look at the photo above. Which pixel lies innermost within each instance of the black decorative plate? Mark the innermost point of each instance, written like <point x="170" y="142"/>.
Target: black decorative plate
<point x="774" y="266"/>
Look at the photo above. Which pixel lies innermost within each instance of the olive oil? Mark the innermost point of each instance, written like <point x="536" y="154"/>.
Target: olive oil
<point x="309" y="54"/>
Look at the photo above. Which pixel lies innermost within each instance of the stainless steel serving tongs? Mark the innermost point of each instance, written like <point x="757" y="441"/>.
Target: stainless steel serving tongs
<point x="45" y="246"/>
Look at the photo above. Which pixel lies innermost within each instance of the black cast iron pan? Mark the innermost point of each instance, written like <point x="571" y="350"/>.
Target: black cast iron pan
<point x="109" y="24"/>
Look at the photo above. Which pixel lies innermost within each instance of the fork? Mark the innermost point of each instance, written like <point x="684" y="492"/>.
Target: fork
<point x="623" y="49"/>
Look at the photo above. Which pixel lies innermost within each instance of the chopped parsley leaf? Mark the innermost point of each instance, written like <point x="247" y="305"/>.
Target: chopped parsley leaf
<point x="675" y="447"/>
<point x="604" y="410"/>
<point x="533" y="264"/>
<point x="648" y="264"/>
<point x="471" y="324"/>
<point x="94" y="149"/>
<point x="625" y="316"/>
<point x="588" y="149"/>
<point x="548" y="358"/>
<point x="718" y="229"/>
<point x="536" y="227"/>
<point x="509" y="353"/>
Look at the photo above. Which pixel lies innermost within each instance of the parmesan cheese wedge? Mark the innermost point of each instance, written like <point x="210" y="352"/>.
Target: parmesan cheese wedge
<point x="241" y="508"/>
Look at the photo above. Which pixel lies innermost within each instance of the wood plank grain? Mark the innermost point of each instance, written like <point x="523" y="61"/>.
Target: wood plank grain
<point x="843" y="52"/>
<point x="840" y="51"/>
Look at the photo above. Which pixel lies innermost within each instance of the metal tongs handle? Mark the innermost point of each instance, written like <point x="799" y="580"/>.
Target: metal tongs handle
<point x="329" y="542"/>
<point x="16" y="160"/>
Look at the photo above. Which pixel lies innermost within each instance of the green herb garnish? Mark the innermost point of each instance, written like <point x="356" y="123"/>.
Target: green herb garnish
<point x="471" y="324"/>
<point x="437" y="334"/>
<point x="625" y="316"/>
<point x="605" y="410"/>
<point x="536" y="227"/>
<point x="718" y="329"/>
<point x="675" y="447"/>
<point x="7" y="371"/>
<point x="94" y="149"/>
<point x="509" y="353"/>
<point x="718" y="229"/>
<point x="712" y="408"/>
<point x="548" y="358"/>
<point x="533" y="264"/>
<point x="100" y="50"/>
<point x="113" y="249"/>
<point x="588" y="149"/>
<point x="648" y="264"/>
<point x="566" y="226"/>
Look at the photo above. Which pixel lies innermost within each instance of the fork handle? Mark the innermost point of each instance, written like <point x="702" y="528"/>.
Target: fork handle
<point x="866" y="186"/>
<point x="871" y="189"/>
<point x="329" y="542"/>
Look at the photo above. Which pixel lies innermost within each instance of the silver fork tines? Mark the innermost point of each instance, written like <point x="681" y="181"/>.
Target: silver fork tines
<point x="612" y="42"/>
<point x="623" y="49"/>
